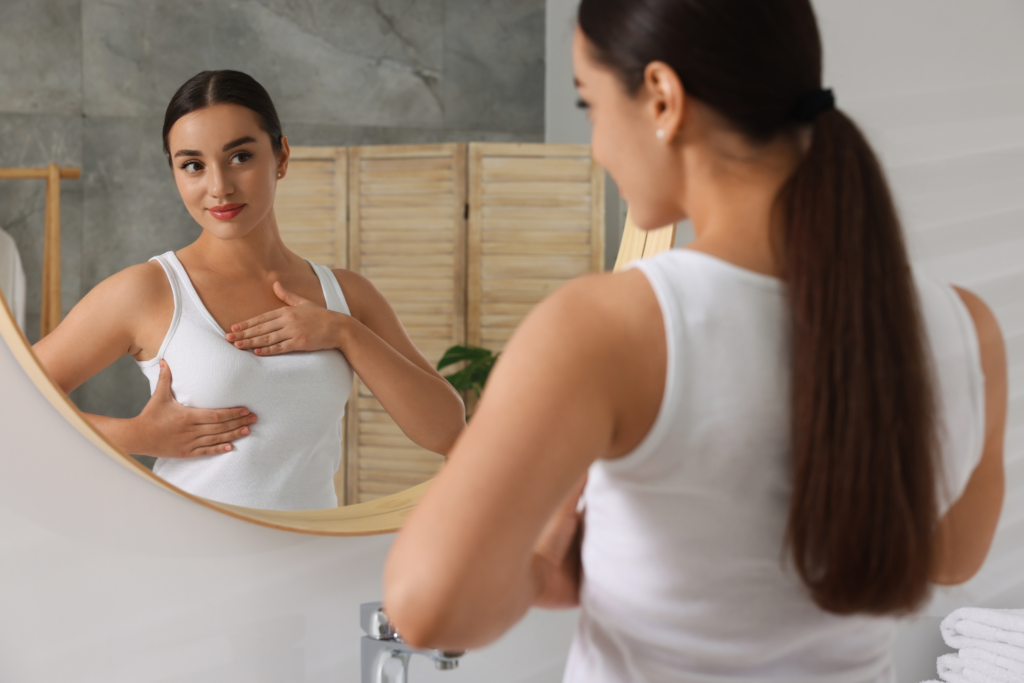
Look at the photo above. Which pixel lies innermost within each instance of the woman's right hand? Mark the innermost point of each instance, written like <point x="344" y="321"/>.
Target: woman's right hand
<point x="167" y="429"/>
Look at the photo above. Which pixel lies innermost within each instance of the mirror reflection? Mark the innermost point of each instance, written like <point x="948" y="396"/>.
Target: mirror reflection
<point x="249" y="349"/>
<point x="291" y="350"/>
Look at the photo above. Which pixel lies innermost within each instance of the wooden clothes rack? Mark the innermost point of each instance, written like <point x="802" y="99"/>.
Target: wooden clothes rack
<point x="50" y="314"/>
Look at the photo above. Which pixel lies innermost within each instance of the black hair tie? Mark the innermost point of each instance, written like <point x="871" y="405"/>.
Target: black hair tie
<point x="808" y="108"/>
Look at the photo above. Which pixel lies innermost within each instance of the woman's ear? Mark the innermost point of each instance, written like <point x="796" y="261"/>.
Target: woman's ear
<point x="282" y="158"/>
<point x="667" y="100"/>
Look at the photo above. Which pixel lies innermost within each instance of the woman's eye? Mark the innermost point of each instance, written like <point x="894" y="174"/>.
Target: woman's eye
<point x="192" y="166"/>
<point x="241" y="157"/>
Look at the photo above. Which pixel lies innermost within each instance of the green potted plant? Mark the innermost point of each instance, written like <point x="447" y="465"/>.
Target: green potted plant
<point x="473" y="375"/>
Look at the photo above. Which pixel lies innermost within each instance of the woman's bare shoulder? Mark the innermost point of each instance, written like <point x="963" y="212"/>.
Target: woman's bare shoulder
<point x="143" y="285"/>
<point x="129" y="312"/>
<point x="624" y="302"/>
<point x="360" y="294"/>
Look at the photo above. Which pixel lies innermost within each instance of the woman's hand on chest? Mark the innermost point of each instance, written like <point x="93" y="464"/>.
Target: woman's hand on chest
<point x="300" y="325"/>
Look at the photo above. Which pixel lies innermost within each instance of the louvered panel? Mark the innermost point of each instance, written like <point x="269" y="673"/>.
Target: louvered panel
<point x="407" y="235"/>
<point x="311" y="206"/>
<point x="536" y="221"/>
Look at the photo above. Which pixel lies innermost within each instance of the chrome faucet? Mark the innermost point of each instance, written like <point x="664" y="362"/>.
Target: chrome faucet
<point x="384" y="657"/>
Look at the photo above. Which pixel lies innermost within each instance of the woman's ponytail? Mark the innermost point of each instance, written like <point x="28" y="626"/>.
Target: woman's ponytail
<point x="863" y="510"/>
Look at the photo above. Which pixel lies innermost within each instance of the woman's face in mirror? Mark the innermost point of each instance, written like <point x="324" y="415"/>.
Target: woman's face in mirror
<point x="225" y="168"/>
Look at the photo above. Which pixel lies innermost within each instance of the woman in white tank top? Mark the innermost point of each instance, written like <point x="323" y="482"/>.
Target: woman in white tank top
<point x="787" y="435"/>
<point x="262" y="343"/>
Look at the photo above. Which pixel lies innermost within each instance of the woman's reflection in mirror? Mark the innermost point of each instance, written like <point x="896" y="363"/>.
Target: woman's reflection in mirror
<point x="249" y="349"/>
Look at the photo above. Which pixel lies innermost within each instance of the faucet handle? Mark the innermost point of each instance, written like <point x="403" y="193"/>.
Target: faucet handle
<point x="375" y="623"/>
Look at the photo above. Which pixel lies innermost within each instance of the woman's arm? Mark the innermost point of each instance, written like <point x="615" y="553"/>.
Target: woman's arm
<point x="422" y="402"/>
<point x="126" y="313"/>
<point x="427" y="408"/>
<point x="965" y="533"/>
<point x="581" y="379"/>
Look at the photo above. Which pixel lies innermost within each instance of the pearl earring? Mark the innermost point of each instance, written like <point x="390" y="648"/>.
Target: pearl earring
<point x="660" y="134"/>
<point x="278" y="175"/>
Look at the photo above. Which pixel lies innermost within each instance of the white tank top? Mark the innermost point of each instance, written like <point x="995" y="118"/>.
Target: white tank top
<point x="289" y="460"/>
<point x="682" y="556"/>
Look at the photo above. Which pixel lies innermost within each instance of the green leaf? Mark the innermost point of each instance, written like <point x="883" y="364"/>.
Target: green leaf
<point x="474" y="374"/>
<point x="457" y="354"/>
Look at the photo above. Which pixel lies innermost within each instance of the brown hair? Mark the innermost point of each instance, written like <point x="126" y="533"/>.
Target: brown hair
<point x="208" y="88"/>
<point x="863" y="509"/>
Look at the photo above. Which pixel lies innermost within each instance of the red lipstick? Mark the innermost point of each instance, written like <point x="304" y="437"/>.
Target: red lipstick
<point x="226" y="212"/>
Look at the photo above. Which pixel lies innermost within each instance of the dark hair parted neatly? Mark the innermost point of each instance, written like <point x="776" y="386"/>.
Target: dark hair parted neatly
<point x="863" y="511"/>
<point x="207" y="88"/>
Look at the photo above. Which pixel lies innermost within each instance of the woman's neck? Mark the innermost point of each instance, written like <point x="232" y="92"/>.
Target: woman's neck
<point x="255" y="255"/>
<point x="731" y="198"/>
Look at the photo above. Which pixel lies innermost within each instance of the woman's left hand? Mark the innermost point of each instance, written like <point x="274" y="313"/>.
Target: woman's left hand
<point x="300" y="326"/>
<point x="557" y="562"/>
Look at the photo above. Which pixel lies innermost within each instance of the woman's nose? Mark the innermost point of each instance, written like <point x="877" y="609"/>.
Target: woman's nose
<point x="219" y="182"/>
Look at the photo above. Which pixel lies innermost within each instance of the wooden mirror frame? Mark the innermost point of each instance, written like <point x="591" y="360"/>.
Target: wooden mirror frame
<point x="381" y="516"/>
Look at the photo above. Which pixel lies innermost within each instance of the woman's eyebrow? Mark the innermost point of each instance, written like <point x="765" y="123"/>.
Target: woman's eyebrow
<point x="239" y="141"/>
<point x="197" y="153"/>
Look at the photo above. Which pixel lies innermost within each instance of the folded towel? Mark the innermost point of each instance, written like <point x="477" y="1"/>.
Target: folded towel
<point x="953" y="668"/>
<point x="1003" y="650"/>
<point x="991" y="625"/>
<point x="978" y="654"/>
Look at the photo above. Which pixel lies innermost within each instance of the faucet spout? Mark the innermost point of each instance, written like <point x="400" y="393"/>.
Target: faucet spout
<point x="384" y="656"/>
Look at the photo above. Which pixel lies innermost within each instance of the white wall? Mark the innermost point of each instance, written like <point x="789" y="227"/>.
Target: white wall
<point x="106" y="578"/>
<point x="564" y="122"/>
<point x="938" y="86"/>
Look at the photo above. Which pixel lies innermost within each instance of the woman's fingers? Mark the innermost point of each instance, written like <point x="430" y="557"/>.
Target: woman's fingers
<point x="255" y="331"/>
<point x="239" y="330"/>
<point x="230" y="425"/>
<point x="221" y="438"/>
<point x="218" y="416"/>
<point x="274" y="349"/>
<point x="210" y="450"/>
<point x="261" y="341"/>
<point x="290" y="298"/>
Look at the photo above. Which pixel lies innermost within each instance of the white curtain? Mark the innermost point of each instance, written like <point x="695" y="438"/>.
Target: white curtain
<point x="12" y="277"/>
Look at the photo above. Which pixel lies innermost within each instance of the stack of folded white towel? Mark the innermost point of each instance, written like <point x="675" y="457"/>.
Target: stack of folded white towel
<point x="991" y="644"/>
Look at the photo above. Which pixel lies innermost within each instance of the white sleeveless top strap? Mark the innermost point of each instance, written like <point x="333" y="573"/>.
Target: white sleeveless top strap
<point x="684" y="573"/>
<point x="289" y="460"/>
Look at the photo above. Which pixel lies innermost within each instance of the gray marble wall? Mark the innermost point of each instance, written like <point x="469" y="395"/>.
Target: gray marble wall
<point x="86" y="82"/>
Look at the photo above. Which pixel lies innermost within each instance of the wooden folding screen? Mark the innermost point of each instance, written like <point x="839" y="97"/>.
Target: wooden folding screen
<point x="536" y="220"/>
<point x="407" y="235"/>
<point x="398" y="215"/>
<point x="311" y="206"/>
